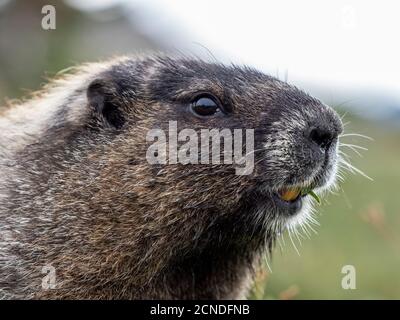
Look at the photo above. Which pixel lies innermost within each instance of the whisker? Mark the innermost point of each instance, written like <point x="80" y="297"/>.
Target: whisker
<point x="342" y="153"/>
<point x="312" y="221"/>
<point x="355" y="150"/>
<point x="267" y="263"/>
<point x="298" y="236"/>
<point x="309" y="226"/>
<point x="303" y="227"/>
<point x="291" y="240"/>
<point x="356" y="135"/>
<point x="346" y="123"/>
<point x="354" y="169"/>
<point x="279" y="240"/>
<point x="353" y="146"/>
<point x="342" y="104"/>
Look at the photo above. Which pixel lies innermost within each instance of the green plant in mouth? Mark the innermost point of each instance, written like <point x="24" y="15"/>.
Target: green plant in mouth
<point x="309" y="191"/>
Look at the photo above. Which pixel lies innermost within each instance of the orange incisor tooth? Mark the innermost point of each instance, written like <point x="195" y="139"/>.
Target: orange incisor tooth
<point x="290" y="194"/>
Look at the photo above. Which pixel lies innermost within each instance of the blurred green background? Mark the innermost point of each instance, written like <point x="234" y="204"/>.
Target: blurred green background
<point x="359" y="225"/>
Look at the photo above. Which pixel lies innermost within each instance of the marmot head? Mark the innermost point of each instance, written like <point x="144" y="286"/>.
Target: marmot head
<point x="295" y="141"/>
<point x="96" y="186"/>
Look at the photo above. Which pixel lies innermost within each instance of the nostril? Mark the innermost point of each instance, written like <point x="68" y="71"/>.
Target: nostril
<point x="321" y="137"/>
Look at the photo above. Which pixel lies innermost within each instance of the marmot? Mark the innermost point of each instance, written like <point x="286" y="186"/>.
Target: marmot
<point x="78" y="195"/>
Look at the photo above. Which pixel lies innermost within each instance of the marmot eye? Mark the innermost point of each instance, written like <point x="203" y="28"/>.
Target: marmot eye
<point x="205" y="106"/>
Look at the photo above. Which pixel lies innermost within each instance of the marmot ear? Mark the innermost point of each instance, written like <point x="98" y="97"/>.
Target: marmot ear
<point x="104" y="102"/>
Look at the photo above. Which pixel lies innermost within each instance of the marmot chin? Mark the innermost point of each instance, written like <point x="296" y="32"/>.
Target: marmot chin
<point x="78" y="197"/>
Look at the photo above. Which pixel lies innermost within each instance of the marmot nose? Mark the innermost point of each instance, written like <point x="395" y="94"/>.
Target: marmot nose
<point x="322" y="136"/>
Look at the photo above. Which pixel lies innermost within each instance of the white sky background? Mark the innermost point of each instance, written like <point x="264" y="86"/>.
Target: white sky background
<point x="340" y="43"/>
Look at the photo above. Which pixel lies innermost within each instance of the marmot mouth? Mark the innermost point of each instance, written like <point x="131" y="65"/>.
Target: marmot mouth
<point x="291" y="198"/>
<point x="292" y="194"/>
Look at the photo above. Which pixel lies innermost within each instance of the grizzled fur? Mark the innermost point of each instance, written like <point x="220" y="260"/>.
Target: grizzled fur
<point x="77" y="193"/>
